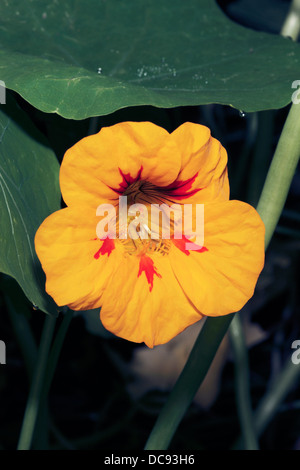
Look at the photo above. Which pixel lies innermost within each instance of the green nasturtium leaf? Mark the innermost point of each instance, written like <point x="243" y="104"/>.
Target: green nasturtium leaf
<point x="29" y="192"/>
<point x="82" y="59"/>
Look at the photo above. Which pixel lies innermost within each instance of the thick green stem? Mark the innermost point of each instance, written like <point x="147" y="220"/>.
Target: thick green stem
<point x="189" y="381"/>
<point x="243" y="398"/>
<point x="291" y="26"/>
<point x="36" y="388"/>
<point x="281" y="172"/>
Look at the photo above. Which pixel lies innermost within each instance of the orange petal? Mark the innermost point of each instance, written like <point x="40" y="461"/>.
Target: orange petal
<point x="66" y="245"/>
<point x="204" y="160"/>
<point x="133" y="311"/>
<point x="222" y="279"/>
<point x="100" y="163"/>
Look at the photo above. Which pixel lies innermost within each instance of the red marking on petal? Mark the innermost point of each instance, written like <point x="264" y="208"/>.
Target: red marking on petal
<point x="181" y="245"/>
<point x="147" y="266"/>
<point x="107" y="247"/>
<point x="127" y="180"/>
<point x="182" y="189"/>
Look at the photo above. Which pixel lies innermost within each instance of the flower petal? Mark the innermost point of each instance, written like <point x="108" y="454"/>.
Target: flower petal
<point x="66" y="245"/>
<point x="95" y="169"/>
<point x="203" y="162"/>
<point x="133" y="311"/>
<point x="222" y="279"/>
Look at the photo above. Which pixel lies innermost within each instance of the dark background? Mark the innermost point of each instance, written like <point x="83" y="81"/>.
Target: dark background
<point x="90" y="406"/>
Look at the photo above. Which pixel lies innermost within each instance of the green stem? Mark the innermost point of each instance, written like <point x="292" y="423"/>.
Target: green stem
<point x="281" y="172"/>
<point x="55" y="351"/>
<point x="262" y="155"/>
<point x="291" y="26"/>
<point x="93" y="125"/>
<point x="24" y="336"/>
<point x="189" y="381"/>
<point x="34" y="397"/>
<point x="43" y="418"/>
<point x="242" y="387"/>
<point x="270" y="403"/>
<point x="241" y="166"/>
<point x="284" y="382"/>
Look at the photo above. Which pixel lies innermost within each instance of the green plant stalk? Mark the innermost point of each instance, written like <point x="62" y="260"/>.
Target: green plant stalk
<point x="262" y="155"/>
<point x="55" y="351"/>
<point x="284" y="382"/>
<point x="41" y="430"/>
<point x="291" y="26"/>
<point x="243" y="397"/>
<point x="32" y="407"/>
<point x="270" y="206"/>
<point x="271" y="401"/>
<point x="40" y="440"/>
<point x="249" y="425"/>
<point x="238" y="180"/>
<point x="258" y="170"/>
<point x="44" y="385"/>
<point x="281" y="173"/>
<point x="24" y="337"/>
<point x="195" y="370"/>
<point x="17" y="311"/>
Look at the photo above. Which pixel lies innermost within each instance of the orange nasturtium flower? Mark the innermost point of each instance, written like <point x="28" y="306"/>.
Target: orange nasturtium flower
<point x="149" y="290"/>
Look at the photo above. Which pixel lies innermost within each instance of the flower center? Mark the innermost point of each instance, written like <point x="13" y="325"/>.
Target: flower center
<point x="144" y="192"/>
<point x="142" y="247"/>
<point x="140" y="238"/>
<point x="144" y="225"/>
